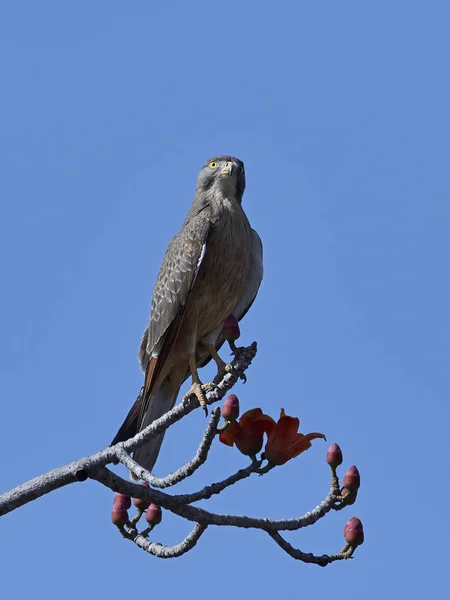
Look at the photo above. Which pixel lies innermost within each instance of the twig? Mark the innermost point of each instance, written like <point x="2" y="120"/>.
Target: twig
<point x="162" y="551"/>
<point x="186" y="471"/>
<point x="216" y="488"/>
<point x="200" y="515"/>
<point x="322" y="561"/>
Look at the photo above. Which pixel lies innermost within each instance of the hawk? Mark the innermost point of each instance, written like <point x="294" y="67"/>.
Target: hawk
<point x="212" y="269"/>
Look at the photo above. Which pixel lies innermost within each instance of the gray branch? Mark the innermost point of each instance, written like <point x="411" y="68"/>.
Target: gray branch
<point x="216" y="488"/>
<point x="322" y="561"/>
<point x="186" y="471"/>
<point x="162" y="551"/>
<point x="176" y="505"/>
<point x="95" y="467"/>
<point x="81" y="469"/>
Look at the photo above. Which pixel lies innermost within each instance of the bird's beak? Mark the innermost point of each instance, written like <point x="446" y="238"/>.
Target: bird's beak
<point x="228" y="169"/>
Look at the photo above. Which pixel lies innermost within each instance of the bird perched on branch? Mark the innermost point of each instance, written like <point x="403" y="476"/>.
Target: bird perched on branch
<point x="212" y="269"/>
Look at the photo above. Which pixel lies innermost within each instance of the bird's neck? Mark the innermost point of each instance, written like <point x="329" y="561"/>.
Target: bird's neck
<point x="214" y="205"/>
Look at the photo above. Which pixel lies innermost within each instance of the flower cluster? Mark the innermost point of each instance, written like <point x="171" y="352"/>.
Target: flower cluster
<point x="283" y="439"/>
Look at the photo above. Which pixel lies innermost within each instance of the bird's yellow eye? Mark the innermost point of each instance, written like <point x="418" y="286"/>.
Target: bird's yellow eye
<point x="241" y="169"/>
<point x="213" y="164"/>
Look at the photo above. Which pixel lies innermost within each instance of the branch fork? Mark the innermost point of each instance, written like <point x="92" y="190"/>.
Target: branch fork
<point x="96" y="468"/>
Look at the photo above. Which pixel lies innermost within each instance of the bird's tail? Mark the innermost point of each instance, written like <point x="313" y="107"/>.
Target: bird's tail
<point x="160" y="401"/>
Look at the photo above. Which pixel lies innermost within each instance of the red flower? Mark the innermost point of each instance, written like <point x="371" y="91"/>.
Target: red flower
<point x="248" y="433"/>
<point x="285" y="442"/>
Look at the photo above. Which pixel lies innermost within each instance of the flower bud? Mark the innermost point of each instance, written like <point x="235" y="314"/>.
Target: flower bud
<point x="350" y="497"/>
<point x="354" y="532"/>
<point x="230" y="408"/>
<point x="153" y="516"/>
<point x="141" y="504"/>
<point x="122" y="500"/>
<point x="352" y="480"/>
<point x="230" y="329"/>
<point x="334" y="456"/>
<point x="119" y="515"/>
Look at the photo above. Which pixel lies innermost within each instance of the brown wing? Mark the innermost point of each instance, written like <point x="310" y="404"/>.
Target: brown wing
<point x="173" y="285"/>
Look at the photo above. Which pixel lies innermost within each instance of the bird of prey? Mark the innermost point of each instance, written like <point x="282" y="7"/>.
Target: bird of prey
<point x="212" y="269"/>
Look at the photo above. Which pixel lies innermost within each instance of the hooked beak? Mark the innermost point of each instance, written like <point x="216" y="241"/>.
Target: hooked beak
<point x="228" y="169"/>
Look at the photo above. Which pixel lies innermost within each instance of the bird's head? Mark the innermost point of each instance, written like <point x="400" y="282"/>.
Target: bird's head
<point x="224" y="176"/>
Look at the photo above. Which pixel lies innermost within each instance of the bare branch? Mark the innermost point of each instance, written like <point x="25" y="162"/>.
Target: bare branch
<point x="186" y="471"/>
<point x="216" y="488"/>
<point x="74" y="472"/>
<point x="95" y="467"/>
<point x="83" y="468"/>
<point x="199" y="515"/>
<point x="322" y="561"/>
<point x="162" y="551"/>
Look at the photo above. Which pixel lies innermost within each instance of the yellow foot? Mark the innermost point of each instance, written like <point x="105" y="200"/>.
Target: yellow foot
<point x="198" y="390"/>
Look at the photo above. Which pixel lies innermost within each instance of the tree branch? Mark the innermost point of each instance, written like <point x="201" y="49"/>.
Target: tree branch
<point x="183" y="472"/>
<point x="199" y="515"/>
<point x="81" y="469"/>
<point x="322" y="561"/>
<point x="95" y="467"/>
<point x="162" y="551"/>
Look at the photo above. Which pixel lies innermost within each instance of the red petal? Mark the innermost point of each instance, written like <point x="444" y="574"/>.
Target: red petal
<point x="275" y="456"/>
<point x="249" y="442"/>
<point x="315" y="436"/>
<point x="252" y="414"/>
<point x="300" y="445"/>
<point x="257" y="421"/>
<point x="286" y="428"/>
<point x="228" y="437"/>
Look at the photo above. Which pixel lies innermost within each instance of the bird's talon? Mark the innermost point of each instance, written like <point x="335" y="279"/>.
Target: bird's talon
<point x="209" y="387"/>
<point x="223" y="369"/>
<point x="198" y="390"/>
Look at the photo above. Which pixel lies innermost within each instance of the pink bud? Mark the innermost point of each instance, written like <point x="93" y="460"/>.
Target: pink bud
<point x="119" y="515"/>
<point x="352" y="480"/>
<point x="141" y="504"/>
<point x="230" y="329"/>
<point x="350" y="497"/>
<point x="122" y="500"/>
<point x="230" y="408"/>
<point x="334" y="456"/>
<point x="153" y="516"/>
<point x="354" y="532"/>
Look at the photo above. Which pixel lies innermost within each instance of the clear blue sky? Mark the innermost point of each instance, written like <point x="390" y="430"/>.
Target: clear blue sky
<point x="341" y="114"/>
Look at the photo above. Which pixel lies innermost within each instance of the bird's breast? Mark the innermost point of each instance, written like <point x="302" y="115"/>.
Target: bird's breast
<point x="223" y="271"/>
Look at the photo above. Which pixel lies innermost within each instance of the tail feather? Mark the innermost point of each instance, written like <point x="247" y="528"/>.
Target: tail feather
<point x="130" y="426"/>
<point x="160" y="401"/>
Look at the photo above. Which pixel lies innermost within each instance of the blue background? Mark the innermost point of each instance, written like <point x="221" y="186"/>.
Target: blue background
<point x="341" y="114"/>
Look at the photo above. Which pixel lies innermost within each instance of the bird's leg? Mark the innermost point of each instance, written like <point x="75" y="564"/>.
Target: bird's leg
<point x="222" y="367"/>
<point x="198" y="388"/>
